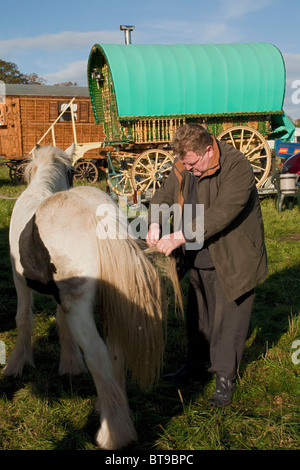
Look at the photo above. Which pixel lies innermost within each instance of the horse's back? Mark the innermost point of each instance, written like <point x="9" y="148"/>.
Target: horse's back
<point x="92" y="196"/>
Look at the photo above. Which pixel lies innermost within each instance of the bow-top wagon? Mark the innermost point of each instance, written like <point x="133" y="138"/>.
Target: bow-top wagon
<point x="143" y="93"/>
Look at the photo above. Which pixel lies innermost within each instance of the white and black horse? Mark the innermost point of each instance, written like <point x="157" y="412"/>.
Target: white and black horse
<point x="60" y="247"/>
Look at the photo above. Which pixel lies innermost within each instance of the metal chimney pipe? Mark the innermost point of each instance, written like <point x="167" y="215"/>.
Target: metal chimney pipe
<point x="127" y="29"/>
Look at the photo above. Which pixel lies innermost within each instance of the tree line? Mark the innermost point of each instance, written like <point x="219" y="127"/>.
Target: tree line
<point x="10" y="74"/>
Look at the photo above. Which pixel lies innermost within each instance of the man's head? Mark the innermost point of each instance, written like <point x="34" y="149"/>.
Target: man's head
<point x="193" y="145"/>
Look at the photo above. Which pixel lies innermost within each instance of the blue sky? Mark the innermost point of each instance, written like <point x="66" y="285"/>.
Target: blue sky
<point x="53" y="39"/>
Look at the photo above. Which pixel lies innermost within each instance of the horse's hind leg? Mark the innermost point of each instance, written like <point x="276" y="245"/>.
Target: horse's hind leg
<point x="71" y="361"/>
<point x="117" y="361"/>
<point x="116" y="428"/>
<point x="22" y="353"/>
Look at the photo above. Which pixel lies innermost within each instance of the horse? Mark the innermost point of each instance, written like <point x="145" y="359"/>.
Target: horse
<point x="60" y="247"/>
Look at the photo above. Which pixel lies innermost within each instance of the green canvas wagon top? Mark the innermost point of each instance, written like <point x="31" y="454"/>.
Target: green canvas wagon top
<point x="130" y="82"/>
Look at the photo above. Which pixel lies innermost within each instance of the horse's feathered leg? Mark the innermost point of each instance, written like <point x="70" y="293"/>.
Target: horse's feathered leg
<point x="71" y="361"/>
<point x="22" y="353"/>
<point x="116" y="430"/>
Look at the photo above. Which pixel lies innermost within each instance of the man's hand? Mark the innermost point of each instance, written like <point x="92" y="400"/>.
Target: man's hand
<point x="153" y="234"/>
<point x="169" y="243"/>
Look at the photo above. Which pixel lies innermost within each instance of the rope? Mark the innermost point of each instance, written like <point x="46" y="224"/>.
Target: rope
<point x="6" y="197"/>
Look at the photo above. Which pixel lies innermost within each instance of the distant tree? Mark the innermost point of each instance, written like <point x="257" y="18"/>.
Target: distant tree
<point x="34" y="79"/>
<point x="9" y="73"/>
<point x="66" y="84"/>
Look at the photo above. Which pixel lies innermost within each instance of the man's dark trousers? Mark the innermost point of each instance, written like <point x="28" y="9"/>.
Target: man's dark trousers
<point x="216" y="328"/>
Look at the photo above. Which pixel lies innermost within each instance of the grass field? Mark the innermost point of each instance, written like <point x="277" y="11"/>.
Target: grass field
<point x="45" y="411"/>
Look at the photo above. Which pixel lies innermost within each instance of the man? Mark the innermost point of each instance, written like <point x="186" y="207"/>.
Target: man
<point x="232" y="260"/>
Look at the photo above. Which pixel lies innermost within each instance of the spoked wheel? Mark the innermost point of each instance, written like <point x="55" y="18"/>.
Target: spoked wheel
<point x="17" y="172"/>
<point x="86" y="171"/>
<point x="150" y="169"/>
<point x="253" y="145"/>
<point x="119" y="174"/>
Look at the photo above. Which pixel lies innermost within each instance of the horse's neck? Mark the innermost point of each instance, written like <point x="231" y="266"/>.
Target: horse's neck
<point x="46" y="182"/>
<point x="31" y="199"/>
<point x="26" y="206"/>
<point x="33" y="196"/>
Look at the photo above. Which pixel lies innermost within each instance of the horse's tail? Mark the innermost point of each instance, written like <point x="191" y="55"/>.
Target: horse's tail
<point x="133" y="306"/>
<point x="167" y="269"/>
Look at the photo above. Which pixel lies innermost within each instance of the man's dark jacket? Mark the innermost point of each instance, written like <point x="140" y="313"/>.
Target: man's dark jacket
<point x="233" y="226"/>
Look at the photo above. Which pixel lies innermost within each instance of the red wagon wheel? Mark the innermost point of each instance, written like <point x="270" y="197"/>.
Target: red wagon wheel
<point x="17" y="172"/>
<point x="253" y="145"/>
<point x="150" y="169"/>
<point x="86" y="171"/>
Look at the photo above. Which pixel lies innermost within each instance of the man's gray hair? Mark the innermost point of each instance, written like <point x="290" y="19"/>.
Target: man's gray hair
<point x="192" y="137"/>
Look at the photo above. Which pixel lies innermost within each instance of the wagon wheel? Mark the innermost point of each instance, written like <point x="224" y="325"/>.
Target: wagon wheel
<point x="16" y="172"/>
<point x="86" y="171"/>
<point x="150" y="169"/>
<point x="253" y="145"/>
<point x="119" y="176"/>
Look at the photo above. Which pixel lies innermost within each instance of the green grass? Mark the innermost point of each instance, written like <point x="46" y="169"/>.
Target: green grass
<point x="44" y="411"/>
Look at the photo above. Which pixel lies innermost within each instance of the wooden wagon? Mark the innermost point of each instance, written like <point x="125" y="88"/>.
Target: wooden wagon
<point x="142" y="93"/>
<point x="59" y="115"/>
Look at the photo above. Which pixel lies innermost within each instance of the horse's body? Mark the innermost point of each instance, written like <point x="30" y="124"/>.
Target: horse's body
<point x="55" y="250"/>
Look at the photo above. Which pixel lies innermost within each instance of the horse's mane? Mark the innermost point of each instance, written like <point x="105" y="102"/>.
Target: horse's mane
<point x="52" y="163"/>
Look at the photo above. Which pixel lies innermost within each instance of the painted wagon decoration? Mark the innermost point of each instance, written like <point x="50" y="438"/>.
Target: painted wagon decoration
<point x="143" y="93"/>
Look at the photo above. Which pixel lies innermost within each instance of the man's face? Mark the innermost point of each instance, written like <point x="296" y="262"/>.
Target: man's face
<point x="198" y="164"/>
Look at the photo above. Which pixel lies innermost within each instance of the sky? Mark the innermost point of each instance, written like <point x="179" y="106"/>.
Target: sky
<point x="53" y="39"/>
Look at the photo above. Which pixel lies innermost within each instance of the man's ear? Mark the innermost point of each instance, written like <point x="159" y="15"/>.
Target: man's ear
<point x="210" y="151"/>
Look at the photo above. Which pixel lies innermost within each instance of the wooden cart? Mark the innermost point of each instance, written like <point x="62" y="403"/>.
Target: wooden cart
<point x="142" y="93"/>
<point x="49" y="115"/>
